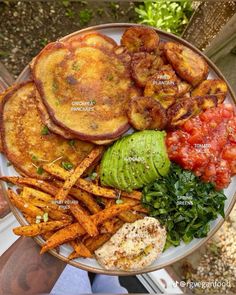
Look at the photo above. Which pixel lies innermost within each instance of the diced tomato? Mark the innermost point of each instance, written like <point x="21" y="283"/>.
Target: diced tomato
<point x="206" y="145"/>
<point x="195" y="138"/>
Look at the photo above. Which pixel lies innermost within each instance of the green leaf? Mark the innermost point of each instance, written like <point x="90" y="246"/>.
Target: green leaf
<point x="167" y="15"/>
<point x="85" y="16"/>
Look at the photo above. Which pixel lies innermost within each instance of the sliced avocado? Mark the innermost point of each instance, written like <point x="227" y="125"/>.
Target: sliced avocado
<point x="135" y="160"/>
<point x="104" y="170"/>
<point x="128" y="176"/>
<point x="121" y="177"/>
<point x="115" y="155"/>
<point x="140" y="168"/>
<point x="151" y="171"/>
<point x="160" y="156"/>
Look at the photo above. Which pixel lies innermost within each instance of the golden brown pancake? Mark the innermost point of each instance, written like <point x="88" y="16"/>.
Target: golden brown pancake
<point x="26" y="142"/>
<point x="91" y="39"/>
<point x="59" y="130"/>
<point x="85" y="90"/>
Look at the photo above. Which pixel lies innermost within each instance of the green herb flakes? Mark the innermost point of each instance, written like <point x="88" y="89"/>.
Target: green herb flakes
<point x="40" y="170"/>
<point x="45" y="130"/>
<point x="34" y="158"/>
<point x="71" y="142"/>
<point x="119" y="201"/>
<point x="67" y="166"/>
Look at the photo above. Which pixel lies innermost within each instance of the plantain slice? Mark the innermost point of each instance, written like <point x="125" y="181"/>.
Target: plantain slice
<point x="140" y="38"/>
<point x="185" y="108"/>
<point x="189" y="65"/>
<point x="163" y="87"/>
<point x="207" y="101"/>
<point x="181" y="111"/>
<point x="146" y="113"/>
<point x="218" y="87"/>
<point x="143" y="66"/>
<point x="123" y="54"/>
<point x="183" y="87"/>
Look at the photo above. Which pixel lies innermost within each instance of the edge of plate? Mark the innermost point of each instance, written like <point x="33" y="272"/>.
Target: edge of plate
<point x="25" y="73"/>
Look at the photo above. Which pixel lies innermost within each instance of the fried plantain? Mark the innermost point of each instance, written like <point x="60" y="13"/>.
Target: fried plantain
<point x="206" y="101"/>
<point x="143" y="66"/>
<point x="189" y="65"/>
<point x="123" y="54"/>
<point x="181" y="111"/>
<point x="218" y="87"/>
<point x="27" y="143"/>
<point x="183" y="87"/>
<point x="163" y="87"/>
<point x="146" y="113"/>
<point x="140" y="38"/>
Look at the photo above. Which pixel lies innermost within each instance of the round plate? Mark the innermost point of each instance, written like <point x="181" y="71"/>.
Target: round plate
<point x="173" y="254"/>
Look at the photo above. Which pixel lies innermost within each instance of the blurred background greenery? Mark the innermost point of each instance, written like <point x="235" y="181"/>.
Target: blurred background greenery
<point x="27" y="26"/>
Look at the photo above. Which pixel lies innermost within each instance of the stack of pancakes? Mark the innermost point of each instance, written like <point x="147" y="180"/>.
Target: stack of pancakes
<point x="77" y="98"/>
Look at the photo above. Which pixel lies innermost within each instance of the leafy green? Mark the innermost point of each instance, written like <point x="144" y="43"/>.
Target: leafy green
<point x="183" y="204"/>
<point x="85" y="16"/>
<point x="168" y="15"/>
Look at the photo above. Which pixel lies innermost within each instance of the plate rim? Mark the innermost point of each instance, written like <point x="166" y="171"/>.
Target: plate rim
<point x="151" y="268"/>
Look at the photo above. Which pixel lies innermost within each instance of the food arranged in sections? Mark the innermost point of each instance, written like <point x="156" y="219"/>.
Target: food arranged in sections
<point x="120" y="198"/>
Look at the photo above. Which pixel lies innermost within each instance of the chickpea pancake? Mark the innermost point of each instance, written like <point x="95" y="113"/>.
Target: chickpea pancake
<point x="86" y="90"/>
<point x="27" y="143"/>
<point x="92" y="39"/>
<point x="57" y="129"/>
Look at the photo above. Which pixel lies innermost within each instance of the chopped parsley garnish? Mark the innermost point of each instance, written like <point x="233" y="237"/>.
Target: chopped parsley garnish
<point x="71" y="142"/>
<point x="40" y="170"/>
<point x="100" y="201"/>
<point x="34" y="158"/>
<point x="183" y="204"/>
<point x="119" y="201"/>
<point x="57" y="102"/>
<point x="110" y="77"/>
<point x="45" y="130"/>
<point x="67" y="165"/>
<point x="54" y="86"/>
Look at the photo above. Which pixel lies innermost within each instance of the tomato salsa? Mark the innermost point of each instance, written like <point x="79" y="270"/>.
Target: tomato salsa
<point x="206" y="145"/>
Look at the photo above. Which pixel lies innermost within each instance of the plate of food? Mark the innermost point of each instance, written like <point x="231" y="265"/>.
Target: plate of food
<point x="119" y="149"/>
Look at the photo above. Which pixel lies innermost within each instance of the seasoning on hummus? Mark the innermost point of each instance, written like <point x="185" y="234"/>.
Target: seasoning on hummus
<point x="135" y="246"/>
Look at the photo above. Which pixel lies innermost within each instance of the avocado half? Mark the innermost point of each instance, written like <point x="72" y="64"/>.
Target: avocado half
<point x="135" y="160"/>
